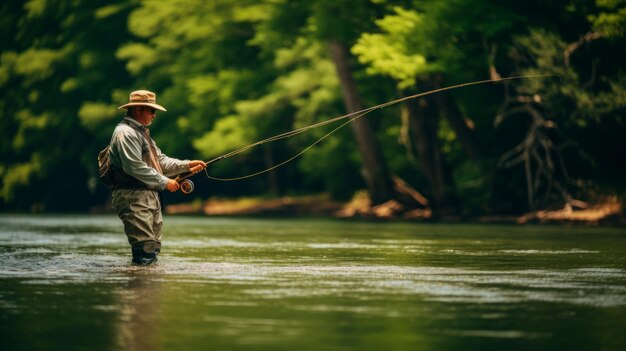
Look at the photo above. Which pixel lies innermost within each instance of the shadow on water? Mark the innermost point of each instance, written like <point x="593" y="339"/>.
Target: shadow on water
<point x="310" y="284"/>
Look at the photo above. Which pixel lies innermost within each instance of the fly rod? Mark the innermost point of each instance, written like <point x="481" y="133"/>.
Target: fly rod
<point x="187" y="185"/>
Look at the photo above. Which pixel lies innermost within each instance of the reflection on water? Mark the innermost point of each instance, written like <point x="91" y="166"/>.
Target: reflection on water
<point x="138" y="302"/>
<point x="66" y="282"/>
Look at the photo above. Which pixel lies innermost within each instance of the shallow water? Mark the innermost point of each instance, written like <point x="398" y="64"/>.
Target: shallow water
<point x="303" y="284"/>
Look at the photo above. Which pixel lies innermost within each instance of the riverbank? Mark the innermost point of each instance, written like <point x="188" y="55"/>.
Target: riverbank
<point x="606" y="211"/>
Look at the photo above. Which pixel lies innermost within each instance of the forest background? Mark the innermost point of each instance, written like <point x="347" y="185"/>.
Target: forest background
<point x="234" y="72"/>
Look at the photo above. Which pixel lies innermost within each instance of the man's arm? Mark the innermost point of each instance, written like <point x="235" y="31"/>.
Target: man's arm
<point x="172" y="166"/>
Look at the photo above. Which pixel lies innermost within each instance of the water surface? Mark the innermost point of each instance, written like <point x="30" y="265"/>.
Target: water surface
<point x="306" y="284"/>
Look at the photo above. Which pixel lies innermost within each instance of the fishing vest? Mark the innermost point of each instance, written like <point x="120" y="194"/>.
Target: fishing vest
<point x="120" y="179"/>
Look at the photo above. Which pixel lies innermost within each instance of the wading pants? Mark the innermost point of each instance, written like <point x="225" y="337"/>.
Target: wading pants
<point x="140" y="211"/>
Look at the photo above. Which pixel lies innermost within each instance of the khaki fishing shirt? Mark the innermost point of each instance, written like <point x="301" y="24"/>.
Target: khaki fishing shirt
<point x="130" y="152"/>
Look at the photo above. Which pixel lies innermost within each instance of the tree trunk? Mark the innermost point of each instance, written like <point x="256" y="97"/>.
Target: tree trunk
<point x="450" y="110"/>
<point x="423" y="126"/>
<point x="375" y="171"/>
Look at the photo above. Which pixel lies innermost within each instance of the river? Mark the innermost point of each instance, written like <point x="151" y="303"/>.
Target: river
<point x="66" y="283"/>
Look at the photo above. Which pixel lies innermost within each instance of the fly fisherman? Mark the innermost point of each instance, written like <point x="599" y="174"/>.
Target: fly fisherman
<point x="140" y="172"/>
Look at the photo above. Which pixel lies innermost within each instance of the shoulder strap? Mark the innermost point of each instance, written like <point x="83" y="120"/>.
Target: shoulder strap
<point x="154" y="163"/>
<point x="104" y="161"/>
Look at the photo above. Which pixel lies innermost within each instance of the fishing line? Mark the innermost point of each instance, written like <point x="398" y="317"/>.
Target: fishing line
<point x="289" y="159"/>
<point x="351" y="117"/>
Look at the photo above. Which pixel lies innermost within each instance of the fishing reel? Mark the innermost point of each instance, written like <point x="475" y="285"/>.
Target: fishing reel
<point x="186" y="186"/>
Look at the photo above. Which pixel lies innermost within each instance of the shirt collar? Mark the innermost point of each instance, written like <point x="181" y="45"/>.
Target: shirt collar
<point x="134" y="123"/>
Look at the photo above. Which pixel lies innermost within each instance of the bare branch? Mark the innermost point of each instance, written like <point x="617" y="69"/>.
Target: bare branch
<point x="590" y="36"/>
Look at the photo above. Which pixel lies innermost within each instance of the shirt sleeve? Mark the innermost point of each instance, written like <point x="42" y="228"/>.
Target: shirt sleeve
<point x="128" y="146"/>
<point x="171" y="166"/>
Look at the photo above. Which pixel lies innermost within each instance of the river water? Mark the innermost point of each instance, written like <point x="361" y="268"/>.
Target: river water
<point x="66" y="283"/>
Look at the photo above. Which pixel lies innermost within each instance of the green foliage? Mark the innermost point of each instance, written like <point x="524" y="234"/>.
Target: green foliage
<point x="48" y="69"/>
<point x="575" y="101"/>
<point x="387" y="53"/>
<point x="227" y="135"/>
<point x="323" y="163"/>
<point x="94" y="114"/>
<point x="19" y="175"/>
<point x="460" y="38"/>
<point x="412" y="43"/>
<point x="231" y="73"/>
<point x="587" y="108"/>
<point x="611" y="19"/>
<point x="138" y="57"/>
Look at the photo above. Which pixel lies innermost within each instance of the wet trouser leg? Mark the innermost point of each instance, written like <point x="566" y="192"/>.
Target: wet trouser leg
<point x="140" y="211"/>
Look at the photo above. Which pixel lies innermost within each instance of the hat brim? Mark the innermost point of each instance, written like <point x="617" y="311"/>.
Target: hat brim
<point x="154" y="106"/>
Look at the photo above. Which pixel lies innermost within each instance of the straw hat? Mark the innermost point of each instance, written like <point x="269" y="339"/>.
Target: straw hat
<point x="143" y="98"/>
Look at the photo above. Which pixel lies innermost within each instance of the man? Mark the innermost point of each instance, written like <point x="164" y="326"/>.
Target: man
<point x="140" y="171"/>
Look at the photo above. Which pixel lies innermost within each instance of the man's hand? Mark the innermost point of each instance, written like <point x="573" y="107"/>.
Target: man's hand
<point x="196" y="166"/>
<point x="172" y="185"/>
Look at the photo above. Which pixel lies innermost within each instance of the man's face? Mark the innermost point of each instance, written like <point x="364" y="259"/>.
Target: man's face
<point x="145" y="115"/>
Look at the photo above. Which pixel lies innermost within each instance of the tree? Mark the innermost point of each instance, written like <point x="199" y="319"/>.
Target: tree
<point x="444" y="41"/>
<point x="231" y="73"/>
<point x="336" y="24"/>
<point x="407" y="50"/>
<point x="53" y="75"/>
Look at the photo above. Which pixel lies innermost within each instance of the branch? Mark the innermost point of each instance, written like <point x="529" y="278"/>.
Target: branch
<point x="577" y="44"/>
